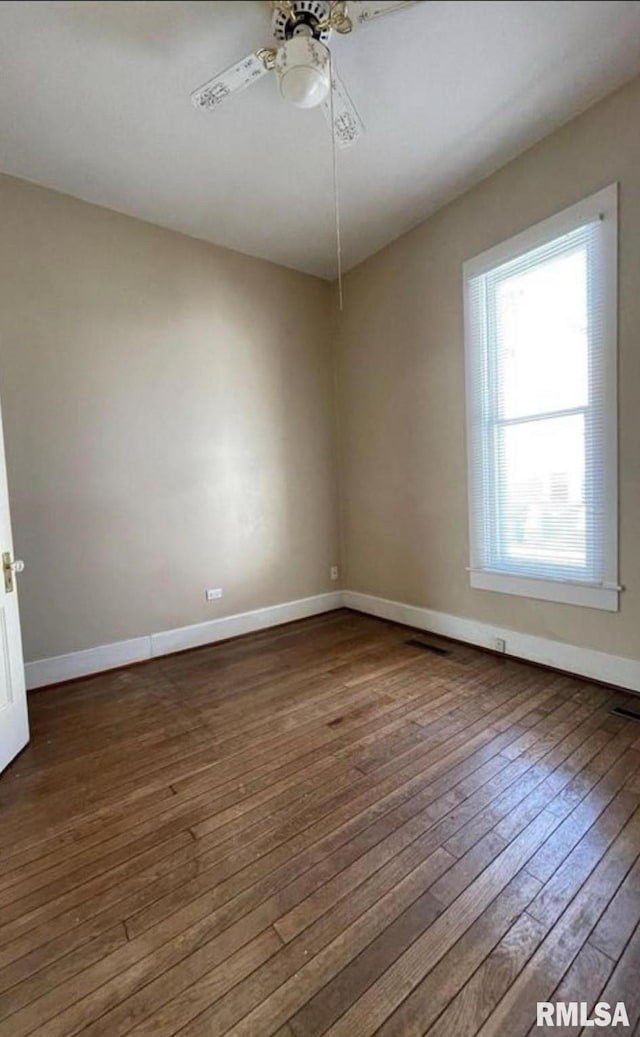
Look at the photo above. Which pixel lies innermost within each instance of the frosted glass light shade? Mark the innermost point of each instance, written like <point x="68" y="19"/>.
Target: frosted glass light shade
<point x="302" y="68"/>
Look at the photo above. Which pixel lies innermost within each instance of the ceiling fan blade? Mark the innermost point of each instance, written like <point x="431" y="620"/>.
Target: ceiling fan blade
<point x="362" y="11"/>
<point x="347" y="124"/>
<point x="235" y="78"/>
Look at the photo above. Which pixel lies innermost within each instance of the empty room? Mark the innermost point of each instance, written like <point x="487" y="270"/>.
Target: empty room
<point x="320" y="518"/>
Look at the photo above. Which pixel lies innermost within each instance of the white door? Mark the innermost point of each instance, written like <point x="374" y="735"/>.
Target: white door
<point x="14" y="726"/>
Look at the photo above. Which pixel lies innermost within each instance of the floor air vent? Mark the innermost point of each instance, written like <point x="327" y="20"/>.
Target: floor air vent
<point x="428" y="647"/>
<point x="628" y="714"/>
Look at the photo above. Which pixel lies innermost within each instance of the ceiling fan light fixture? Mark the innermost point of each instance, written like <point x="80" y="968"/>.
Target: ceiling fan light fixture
<point x="303" y="71"/>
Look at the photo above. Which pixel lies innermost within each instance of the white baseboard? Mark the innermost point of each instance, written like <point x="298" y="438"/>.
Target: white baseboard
<point x="80" y="664"/>
<point x="586" y="662"/>
<point x="105" y="657"/>
<point x="244" y="623"/>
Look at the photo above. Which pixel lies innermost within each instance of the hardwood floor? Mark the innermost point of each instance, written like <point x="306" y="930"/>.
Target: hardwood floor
<point x="319" y="829"/>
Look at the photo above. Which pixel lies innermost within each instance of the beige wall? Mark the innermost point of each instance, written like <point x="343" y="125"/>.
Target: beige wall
<point x="168" y="418"/>
<point x="169" y="410"/>
<point x="401" y="386"/>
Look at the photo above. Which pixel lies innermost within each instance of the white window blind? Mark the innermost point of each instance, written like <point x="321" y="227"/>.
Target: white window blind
<point x="541" y="408"/>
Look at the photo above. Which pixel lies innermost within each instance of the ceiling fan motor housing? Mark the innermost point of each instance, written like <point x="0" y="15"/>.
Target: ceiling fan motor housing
<point x="307" y="15"/>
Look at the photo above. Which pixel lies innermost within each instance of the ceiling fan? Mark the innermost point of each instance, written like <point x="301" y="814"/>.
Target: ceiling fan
<point x="302" y="61"/>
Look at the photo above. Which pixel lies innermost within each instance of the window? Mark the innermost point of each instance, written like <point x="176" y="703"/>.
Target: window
<point x="540" y="315"/>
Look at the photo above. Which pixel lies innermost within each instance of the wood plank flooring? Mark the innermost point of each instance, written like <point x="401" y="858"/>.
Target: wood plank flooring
<point x="319" y="829"/>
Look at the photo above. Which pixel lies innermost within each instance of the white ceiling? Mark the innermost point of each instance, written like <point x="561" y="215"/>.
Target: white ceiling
<point x="94" y="101"/>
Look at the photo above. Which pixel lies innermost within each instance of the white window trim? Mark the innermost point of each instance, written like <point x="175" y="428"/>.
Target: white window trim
<point x="603" y="205"/>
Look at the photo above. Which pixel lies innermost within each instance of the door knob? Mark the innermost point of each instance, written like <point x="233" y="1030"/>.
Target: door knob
<point x="9" y="568"/>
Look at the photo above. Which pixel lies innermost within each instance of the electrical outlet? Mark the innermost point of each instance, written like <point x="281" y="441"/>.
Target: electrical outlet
<point x="213" y="593"/>
<point x="500" y="644"/>
<point x="334" y="572"/>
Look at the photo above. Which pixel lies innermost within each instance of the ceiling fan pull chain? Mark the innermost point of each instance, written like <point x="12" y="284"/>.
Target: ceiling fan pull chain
<point x="336" y="194"/>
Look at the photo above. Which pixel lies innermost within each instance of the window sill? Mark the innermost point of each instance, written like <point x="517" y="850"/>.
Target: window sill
<point x="547" y="590"/>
